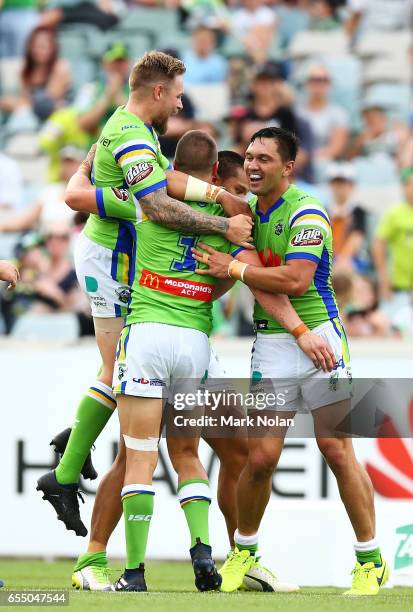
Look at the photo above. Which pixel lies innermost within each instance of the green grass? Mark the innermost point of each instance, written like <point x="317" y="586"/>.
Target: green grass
<point x="172" y="590"/>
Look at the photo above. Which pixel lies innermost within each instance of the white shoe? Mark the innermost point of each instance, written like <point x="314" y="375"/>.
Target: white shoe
<point x="92" y="578"/>
<point x="259" y="578"/>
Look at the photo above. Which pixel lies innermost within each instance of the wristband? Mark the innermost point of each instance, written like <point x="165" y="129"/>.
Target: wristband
<point x="201" y="191"/>
<point x="300" y="330"/>
<point x="236" y="270"/>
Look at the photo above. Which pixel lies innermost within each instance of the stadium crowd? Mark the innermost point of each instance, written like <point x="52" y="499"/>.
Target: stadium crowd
<point x="338" y="73"/>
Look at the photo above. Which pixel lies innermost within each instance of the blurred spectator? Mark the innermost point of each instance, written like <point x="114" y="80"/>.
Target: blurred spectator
<point x="323" y="15"/>
<point x="378" y="135"/>
<point x="211" y="13"/>
<point x="47" y="278"/>
<point x="59" y="131"/>
<point x="348" y="219"/>
<point x="45" y="79"/>
<point x="364" y="319"/>
<point x="50" y="206"/>
<point x="97" y="101"/>
<point x="329" y="122"/>
<point x="17" y="20"/>
<point x="11" y="181"/>
<point x="203" y="64"/>
<point x="395" y="238"/>
<point x="403" y="320"/>
<point x="378" y="15"/>
<point x="254" y="24"/>
<point x="270" y="104"/>
<point x="293" y="18"/>
<point x="101" y="14"/>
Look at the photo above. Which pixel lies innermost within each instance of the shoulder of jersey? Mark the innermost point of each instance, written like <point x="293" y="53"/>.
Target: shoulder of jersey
<point x="305" y="208"/>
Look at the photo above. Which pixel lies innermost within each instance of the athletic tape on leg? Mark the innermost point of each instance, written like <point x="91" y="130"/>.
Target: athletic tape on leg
<point x="141" y="444"/>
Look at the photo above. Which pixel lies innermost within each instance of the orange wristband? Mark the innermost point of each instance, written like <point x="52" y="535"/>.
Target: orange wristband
<point x="300" y="330"/>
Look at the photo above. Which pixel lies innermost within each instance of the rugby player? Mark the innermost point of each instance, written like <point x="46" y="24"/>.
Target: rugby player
<point x="128" y="155"/>
<point x="293" y="237"/>
<point x="166" y="304"/>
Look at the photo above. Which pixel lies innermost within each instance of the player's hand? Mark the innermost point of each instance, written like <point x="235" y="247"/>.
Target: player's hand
<point x="9" y="273"/>
<point x="317" y="350"/>
<point x="233" y="204"/>
<point x="239" y="231"/>
<point x="216" y="261"/>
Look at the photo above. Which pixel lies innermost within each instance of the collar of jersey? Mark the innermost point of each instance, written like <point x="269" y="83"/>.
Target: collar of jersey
<point x="265" y="217"/>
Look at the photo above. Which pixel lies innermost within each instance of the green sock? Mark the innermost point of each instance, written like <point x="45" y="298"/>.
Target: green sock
<point x="94" y="411"/>
<point x="195" y="497"/>
<point x="97" y="558"/>
<point x="251" y="547"/>
<point x="137" y="501"/>
<point x="369" y="556"/>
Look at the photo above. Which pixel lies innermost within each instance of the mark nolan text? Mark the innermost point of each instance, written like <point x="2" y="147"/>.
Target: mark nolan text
<point x="232" y="421"/>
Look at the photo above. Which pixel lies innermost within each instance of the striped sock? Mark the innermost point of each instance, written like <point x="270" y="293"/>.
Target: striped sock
<point x="94" y="411"/>
<point x="243" y="542"/>
<point x="195" y="497"/>
<point x="137" y="501"/>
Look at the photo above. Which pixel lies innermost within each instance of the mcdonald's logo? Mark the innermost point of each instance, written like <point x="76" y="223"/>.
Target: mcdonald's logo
<point x="151" y="279"/>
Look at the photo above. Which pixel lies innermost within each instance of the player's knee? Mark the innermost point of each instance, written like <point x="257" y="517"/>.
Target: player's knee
<point x="261" y="464"/>
<point x="334" y="452"/>
<point x="183" y="453"/>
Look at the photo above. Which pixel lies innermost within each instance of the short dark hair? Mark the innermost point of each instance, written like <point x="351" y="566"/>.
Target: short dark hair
<point x="287" y="141"/>
<point x="229" y="164"/>
<point x="196" y="151"/>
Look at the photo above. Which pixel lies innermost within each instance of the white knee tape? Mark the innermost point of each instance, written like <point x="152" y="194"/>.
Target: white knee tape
<point x="141" y="444"/>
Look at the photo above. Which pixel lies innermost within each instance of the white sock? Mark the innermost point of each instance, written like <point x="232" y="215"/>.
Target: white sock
<point x="245" y="540"/>
<point x="366" y="546"/>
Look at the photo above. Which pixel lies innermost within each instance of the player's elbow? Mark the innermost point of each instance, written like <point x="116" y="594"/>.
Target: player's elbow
<point x="297" y="287"/>
<point x="72" y="199"/>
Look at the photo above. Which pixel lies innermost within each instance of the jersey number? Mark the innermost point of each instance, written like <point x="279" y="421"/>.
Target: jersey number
<point x="186" y="262"/>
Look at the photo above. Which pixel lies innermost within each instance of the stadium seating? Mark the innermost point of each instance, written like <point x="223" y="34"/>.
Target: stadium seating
<point x="308" y="43"/>
<point x="395" y="97"/>
<point x="390" y="44"/>
<point x="385" y="69"/>
<point x="211" y="101"/>
<point x="10" y="68"/>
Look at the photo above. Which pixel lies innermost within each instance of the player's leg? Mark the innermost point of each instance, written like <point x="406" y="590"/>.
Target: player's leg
<point x="91" y="569"/>
<point x="101" y="281"/>
<point x="328" y="396"/>
<point x="140" y="422"/>
<point x="270" y="353"/>
<point x="195" y="497"/>
<point x="356" y="492"/>
<point x="232" y="454"/>
<point x="96" y="407"/>
<point x="191" y="365"/>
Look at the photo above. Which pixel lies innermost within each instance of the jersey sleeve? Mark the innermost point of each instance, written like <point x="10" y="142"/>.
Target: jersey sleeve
<point x="116" y="203"/>
<point x="165" y="163"/>
<point x="138" y="158"/>
<point x="309" y="228"/>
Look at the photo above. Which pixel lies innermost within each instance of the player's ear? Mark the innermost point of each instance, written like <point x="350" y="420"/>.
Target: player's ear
<point x="215" y="172"/>
<point x="288" y="168"/>
<point x="158" y="91"/>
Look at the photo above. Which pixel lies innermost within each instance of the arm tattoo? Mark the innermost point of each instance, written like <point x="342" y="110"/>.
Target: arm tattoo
<point x="162" y="209"/>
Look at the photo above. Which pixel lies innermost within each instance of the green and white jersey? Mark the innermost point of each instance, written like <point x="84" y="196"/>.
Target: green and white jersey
<point x="297" y="227"/>
<point x="166" y="288"/>
<point x="128" y="155"/>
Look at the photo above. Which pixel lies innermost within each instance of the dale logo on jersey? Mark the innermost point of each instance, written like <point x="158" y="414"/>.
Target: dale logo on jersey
<point x="307" y="237"/>
<point x="138" y="173"/>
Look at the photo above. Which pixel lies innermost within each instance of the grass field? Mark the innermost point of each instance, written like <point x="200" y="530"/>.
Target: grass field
<point x="172" y="588"/>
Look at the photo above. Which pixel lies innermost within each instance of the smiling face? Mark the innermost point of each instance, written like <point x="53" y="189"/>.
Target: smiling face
<point x="264" y="167"/>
